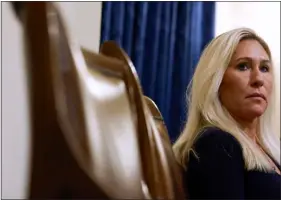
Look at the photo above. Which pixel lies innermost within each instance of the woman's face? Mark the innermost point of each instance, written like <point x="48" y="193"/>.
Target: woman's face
<point x="247" y="83"/>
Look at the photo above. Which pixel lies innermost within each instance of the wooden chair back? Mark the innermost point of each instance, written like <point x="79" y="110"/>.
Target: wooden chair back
<point x="173" y="165"/>
<point x="84" y="136"/>
<point x="156" y="153"/>
<point x="157" y="116"/>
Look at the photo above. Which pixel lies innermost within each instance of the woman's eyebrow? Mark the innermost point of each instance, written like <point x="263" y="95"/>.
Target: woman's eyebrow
<point x="250" y="58"/>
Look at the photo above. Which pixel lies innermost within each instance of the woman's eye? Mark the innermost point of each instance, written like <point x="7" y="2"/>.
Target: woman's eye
<point x="242" y="66"/>
<point x="264" y="68"/>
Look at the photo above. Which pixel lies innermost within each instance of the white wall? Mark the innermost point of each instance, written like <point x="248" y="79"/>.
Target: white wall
<point x="264" y="18"/>
<point x="83" y="19"/>
<point x="15" y="111"/>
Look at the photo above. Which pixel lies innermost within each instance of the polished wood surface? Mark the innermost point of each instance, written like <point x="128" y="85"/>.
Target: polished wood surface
<point x="69" y="114"/>
<point x="161" y="171"/>
<point x="158" y="118"/>
<point x="55" y="172"/>
<point x="174" y="166"/>
<point x="65" y="163"/>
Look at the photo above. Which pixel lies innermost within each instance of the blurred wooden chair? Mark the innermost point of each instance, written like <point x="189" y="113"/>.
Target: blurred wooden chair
<point x="158" y="118"/>
<point x="152" y="179"/>
<point x="84" y="134"/>
<point x="174" y="166"/>
<point x="161" y="171"/>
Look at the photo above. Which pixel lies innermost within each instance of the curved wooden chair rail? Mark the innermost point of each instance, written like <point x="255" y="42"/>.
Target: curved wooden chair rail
<point x="60" y="151"/>
<point x="157" y="116"/>
<point x="159" y="120"/>
<point x="165" y="169"/>
<point x="67" y="161"/>
<point x="174" y="167"/>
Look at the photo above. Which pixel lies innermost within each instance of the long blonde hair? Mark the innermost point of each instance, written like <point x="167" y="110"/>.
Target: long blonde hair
<point x="205" y="108"/>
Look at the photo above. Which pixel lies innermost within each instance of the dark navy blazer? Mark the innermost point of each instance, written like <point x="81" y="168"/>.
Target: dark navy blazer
<point x="220" y="173"/>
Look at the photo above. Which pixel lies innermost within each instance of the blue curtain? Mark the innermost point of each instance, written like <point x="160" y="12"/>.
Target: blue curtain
<point x="164" y="41"/>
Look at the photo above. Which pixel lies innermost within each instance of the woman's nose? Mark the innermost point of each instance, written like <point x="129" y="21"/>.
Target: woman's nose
<point x="257" y="79"/>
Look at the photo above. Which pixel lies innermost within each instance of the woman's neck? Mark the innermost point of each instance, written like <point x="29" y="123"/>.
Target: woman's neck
<point x="250" y="128"/>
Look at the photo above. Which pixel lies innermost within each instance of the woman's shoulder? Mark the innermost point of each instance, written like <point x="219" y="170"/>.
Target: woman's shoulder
<point x="215" y="168"/>
<point x="214" y="134"/>
<point x="215" y="139"/>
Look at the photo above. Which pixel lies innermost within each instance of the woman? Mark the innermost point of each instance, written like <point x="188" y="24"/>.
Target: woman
<point x="229" y="148"/>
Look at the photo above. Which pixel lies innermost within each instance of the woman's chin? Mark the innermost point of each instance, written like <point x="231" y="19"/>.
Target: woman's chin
<point x="255" y="111"/>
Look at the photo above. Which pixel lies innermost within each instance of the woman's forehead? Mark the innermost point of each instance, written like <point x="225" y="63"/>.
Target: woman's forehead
<point x="250" y="49"/>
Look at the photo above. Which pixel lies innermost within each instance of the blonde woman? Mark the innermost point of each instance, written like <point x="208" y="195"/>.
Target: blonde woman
<point x="229" y="148"/>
